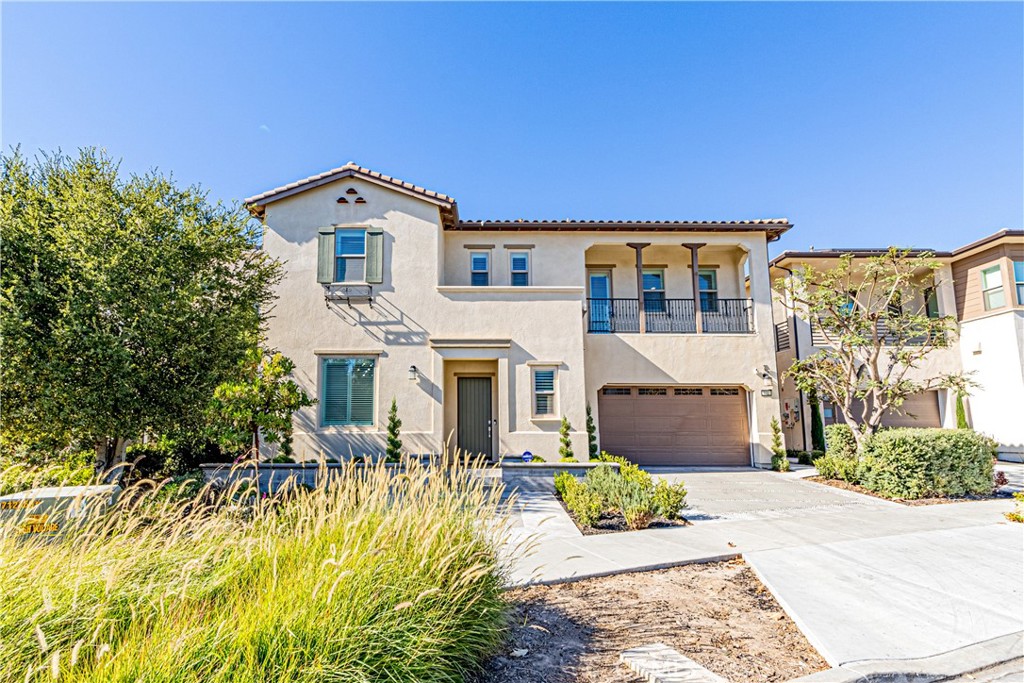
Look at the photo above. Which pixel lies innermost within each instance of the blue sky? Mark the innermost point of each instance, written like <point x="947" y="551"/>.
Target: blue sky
<point x="864" y="124"/>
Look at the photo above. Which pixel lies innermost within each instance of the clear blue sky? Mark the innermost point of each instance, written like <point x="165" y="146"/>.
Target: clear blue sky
<point x="864" y="124"/>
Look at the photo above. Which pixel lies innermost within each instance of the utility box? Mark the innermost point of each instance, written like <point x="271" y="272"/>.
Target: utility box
<point x="47" y="511"/>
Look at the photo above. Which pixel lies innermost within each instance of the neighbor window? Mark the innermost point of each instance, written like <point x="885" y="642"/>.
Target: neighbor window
<point x="349" y="255"/>
<point x="708" y="280"/>
<point x="520" y="267"/>
<point x="654" y="290"/>
<point x="931" y="303"/>
<point x="1018" y="279"/>
<point x="346" y="391"/>
<point x="544" y="392"/>
<point x="480" y="268"/>
<point x="992" y="288"/>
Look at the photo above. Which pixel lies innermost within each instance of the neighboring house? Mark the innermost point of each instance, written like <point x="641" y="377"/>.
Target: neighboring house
<point x="488" y="332"/>
<point x="982" y="285"/>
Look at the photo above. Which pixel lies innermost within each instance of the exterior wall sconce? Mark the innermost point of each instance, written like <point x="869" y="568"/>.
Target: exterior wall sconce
<point x="765" y="375"/>
<point x="413" y="373"/>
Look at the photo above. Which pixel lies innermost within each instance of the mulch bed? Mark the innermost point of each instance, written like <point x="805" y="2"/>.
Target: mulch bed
<point x="717" y="614"/>
<point x="612" y="524"/>
<point x="937" y="500"/>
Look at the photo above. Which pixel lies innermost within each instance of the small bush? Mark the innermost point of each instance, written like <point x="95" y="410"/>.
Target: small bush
<point x="1018" y="511"/>
<point x="608" y="484"/>
<point x="669" y="499"/>
<point x="999" y="480"/>
<point x="780" y="463"/>
<point x="839" y="441"/>
<point x="837" y="467"/>
<point x="815" y="455"/>
<point x="915" y="463"/>
<point x="562" y="482"/>
<point x="804" y="458"/>
<point x="72" y="469"/>
<point x="568" y="459"/>
<point x="583" y="502"/>
<point x="640" y="515"/>
<point x="628" y="470"/>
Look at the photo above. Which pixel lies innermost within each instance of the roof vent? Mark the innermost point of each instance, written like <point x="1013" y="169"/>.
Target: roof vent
<point x="360" y="200"/>
<point x="342" y="200"/>
<point x="351" y="190"/>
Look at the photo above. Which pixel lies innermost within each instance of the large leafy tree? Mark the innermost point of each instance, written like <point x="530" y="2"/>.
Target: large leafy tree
<point x="874" y="316"/>
<point x="123" y="301"/>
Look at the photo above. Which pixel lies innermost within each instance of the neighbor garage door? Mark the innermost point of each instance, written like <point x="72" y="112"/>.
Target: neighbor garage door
<point x="919" y="410"/>
<point x="675" y="425"/>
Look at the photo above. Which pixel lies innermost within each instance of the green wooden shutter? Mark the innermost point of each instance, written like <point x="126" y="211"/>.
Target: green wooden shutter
<point x="325" y="256"/>
<point x="335" y="399"/>
<point x="362" y="392"/>
<point x="374" y="256"/>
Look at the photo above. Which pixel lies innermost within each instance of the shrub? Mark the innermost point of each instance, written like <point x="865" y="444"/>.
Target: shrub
<point x="393" y="453"/>
<point x="639" y="515"/>
<point x="591" y="435"/>
<point x="839" y="441"/>
<point x="372" y="578"/>
<point x="837" y="467"/>
<point x="804" y="458"/>
<point x="817" y="424"/>
<point x="565" y="442"/>
<point x="568" y="459"/>
<point x="669" y="499"/>
<point x="913" y="463"/>
<point x="628" y="470"/>
<point x="562" y="482"/>
<point x="780" y="463"/>
<point x="1017" y="515"/>
<point x="71" y="469"/>
<point x="999" y="480"/>
<point x="815" y="455"/>
<point x="607" y="484"/>
<point x="583" y="502"/>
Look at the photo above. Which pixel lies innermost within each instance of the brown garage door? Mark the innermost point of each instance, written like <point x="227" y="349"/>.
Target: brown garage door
<point x="919" y="410"/>
<point x="675" y="425"/>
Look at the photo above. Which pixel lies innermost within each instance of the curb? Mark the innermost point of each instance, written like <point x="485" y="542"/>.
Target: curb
<point x="939" y="667"/>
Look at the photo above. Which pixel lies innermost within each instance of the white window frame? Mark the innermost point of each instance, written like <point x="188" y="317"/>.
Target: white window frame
<point x="322" y="361"/>
<point x="553" y="393"/>
<point x="512" y="272"/>
<point x="712" y="292"/>
<point x="1018" y="281"/>
<point x="351" y="257"/>
<point x="662" y="304"/>
<point x="998" y="289"/>
<point x="472" y="271"/>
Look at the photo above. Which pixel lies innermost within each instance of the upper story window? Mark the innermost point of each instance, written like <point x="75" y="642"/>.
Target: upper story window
<point x="1018" y="279"/>
<point x="543" y="392"/>
<point x="654" y="290"/>
<point x="992" y="288"/>
<point x="708" y="280"/>
<point x="519" y="262"/>
<point x="931" y="303"/>
<point x="346" y="391"/>
<point x="479" y="268"/>
<point x="349" y="255"/>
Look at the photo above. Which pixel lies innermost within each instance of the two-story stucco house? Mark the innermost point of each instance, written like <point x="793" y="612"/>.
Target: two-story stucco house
<point x="982" y="286"/>
<point x="488" y="332"/>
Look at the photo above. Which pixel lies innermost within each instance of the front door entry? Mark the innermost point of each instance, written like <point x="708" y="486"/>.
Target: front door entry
<point x="475" y="419"/>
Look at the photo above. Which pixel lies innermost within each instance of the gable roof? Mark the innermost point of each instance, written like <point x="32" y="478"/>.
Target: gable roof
<point x="257" y="203"/>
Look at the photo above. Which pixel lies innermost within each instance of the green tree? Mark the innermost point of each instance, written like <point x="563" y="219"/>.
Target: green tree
<point x="123" y="302"/>
<point x="780" y="462"/>
<point x="591" y="435"/>
<point x="873" y="315"/>
<point x="260" y="400"/>
<point x="817" y="424"/>
<point x="565" y="449"/>
<point x="394" y="449"/>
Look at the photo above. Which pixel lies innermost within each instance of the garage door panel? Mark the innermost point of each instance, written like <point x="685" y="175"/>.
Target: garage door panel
<point x="690" y="426"/>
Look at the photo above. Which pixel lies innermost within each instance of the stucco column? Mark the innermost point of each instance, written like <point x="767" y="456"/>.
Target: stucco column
<point x="698" y="314"/>
<point x="639" y="247"/>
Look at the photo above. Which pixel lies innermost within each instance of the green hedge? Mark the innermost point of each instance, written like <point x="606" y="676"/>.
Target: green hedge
<point x="839" y="441"/>
<point x="914" y="463"/>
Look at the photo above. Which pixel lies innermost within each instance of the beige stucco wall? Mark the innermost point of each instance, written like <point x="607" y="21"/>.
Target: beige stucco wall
<point x="425" y="315"/>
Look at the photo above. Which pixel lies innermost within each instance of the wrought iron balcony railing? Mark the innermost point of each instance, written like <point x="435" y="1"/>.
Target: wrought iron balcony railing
<point x="671" y="316"/>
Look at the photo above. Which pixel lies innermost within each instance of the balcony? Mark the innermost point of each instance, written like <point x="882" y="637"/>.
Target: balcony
<point x="669" y="316"/>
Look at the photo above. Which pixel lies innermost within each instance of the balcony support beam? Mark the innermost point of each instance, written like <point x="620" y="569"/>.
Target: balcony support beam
<point x="698" y="312"/>
<point x="639" y="247"/>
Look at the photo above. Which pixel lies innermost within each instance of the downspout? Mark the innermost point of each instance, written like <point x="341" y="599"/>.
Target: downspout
<point x="796" y="350"/>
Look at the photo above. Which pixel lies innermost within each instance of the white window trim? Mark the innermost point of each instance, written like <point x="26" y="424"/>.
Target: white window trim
<point x="553" y="415"/>
<point x="349" y="228"/>
<point x="486" y="253"/>
<point x="998" y="268"/>
<point x="321" y="363"/>
<point x="529" y="267"/>
<point x="1018" y="285"/>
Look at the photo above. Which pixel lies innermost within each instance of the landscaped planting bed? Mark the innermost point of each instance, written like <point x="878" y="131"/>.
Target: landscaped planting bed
<point x="717" y="614"/>
<point x="375" y="577"/>
<point x="933" y="500"/>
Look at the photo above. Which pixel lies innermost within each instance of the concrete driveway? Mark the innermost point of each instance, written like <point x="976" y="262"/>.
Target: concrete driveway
<point x="864" y="578"/>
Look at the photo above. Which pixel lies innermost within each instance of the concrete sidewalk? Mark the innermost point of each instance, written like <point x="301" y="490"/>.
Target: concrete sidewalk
<point x="864" y="578"/>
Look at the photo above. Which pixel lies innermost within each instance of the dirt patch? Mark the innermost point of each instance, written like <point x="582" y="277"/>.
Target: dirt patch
<point x="614" y="523"/>
<point x="717" y="614"/>
<point x="935" y="500"/>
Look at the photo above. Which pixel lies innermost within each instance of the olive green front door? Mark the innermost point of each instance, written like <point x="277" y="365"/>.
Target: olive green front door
<point x="475" y="418"/>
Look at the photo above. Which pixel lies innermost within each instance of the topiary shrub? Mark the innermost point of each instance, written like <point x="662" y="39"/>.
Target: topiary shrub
<point x="780" y="463"/>
<point x="565" y="441"/>
<point x="839" y="441"/>
<point x="669" y="499"/>
<point x="912" y="463"/>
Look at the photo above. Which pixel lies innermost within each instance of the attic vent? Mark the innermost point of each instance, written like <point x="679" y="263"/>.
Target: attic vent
<point x="342" y="200"/>
<point x="360" y="200"/>
<point x="351" y="190"/>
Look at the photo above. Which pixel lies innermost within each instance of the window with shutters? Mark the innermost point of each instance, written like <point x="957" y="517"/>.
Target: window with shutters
<point x="346" y="391"/>
<point x="479" y="268"/>
<point x="349" y="255"/>
<point x="519" y="266"/>
<point x="543" y="392"/>
<point x="992" y="288"/>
